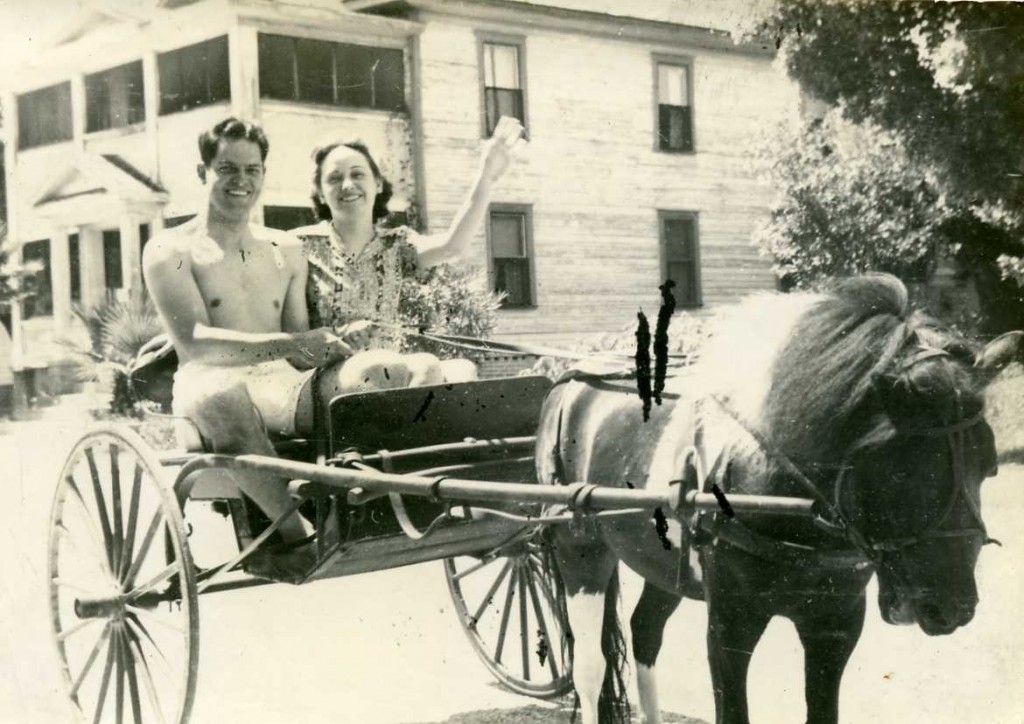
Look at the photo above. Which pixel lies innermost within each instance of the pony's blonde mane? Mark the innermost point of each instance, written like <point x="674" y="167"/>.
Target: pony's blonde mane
<point x="737" y="363"/>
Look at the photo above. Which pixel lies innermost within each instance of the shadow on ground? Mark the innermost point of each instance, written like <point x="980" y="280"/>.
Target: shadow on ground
<point x="536" y="714"/>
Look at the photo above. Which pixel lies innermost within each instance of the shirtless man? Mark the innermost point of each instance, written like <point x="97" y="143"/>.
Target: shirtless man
<point x="231" y="295"/>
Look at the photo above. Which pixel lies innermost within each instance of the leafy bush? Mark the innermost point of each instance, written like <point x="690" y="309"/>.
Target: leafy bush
<point x="449" y="300"/>
<point x="115" y="330"/>
<point x="686" y="335"/>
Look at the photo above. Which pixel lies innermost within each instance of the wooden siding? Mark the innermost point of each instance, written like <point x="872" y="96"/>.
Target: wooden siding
<point x="592" y="174"/>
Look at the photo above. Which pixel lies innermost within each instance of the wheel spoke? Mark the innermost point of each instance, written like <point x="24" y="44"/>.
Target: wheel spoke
<point x="147" y="541"/>
<point x="119" y="700"/>
<point x="542" y="622"/>
<point x="133" y="519"/>
<point x="64" y="635"/>
<point x="147" y="677"/>
<point x="473" y="569"/>
<point x="133" y="682"/>
<point x="104" y="635"/>
<point x="505" y="612"/>
<point x="524" y="627"/>
<point x="115" y="500"/>
<point x="143" y="613"/>
<point x="154" y="581"/>
<point x="89" y="525"/>
<point x="75" y="586"/>
<point x="489" y="597"/>
<point x="101" y="506"/>
<point x="140" y="631"/>
<point x="104" y="685"/>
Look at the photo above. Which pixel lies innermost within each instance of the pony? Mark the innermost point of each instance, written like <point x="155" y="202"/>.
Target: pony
<point x="847" y="397"/>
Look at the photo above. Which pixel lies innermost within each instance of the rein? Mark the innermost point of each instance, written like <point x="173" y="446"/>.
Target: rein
<point x="838" y="521"/>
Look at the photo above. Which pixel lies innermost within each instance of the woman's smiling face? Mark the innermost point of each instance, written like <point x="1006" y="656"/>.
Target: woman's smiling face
<point x="347" y="183"/>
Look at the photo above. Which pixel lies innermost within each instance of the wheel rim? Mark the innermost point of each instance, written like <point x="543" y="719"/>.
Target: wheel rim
<point x="117" y="552"/>
<point x="512" y="608"/>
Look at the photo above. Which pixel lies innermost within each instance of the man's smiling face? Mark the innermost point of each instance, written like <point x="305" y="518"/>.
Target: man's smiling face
<point x="234" y="178"/>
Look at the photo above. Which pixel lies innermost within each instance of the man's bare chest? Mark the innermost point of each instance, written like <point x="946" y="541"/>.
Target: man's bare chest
<point x="245" y="288"/>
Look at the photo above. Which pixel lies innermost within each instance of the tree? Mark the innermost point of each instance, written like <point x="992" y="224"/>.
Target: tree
<point x="946" y="80"/>
<point x="851" y="201"/>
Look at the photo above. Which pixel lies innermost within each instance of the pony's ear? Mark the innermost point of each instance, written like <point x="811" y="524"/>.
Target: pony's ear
<point x="998" y="353"/>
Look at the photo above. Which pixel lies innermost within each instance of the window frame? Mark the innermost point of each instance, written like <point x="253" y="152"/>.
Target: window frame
<point x="663" y="260"/>
<point x="55" y="88"/>
<point x="484" y="38"/>
<point x="337" y="47"/>
<point x="687" y="62"/>
<point x="162" y="108"/>
<point x="526" y="210"/>
<point x="142" y="97"/>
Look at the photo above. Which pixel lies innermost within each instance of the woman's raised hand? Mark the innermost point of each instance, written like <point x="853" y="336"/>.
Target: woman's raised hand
<point x="497" y="156"/>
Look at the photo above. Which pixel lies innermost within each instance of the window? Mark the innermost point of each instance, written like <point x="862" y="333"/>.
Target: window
<point x="287" y="218"/>
<point x="40" y="304"/>
<point x="680" y="258"/>
<point x="44" y="116"/>
<point x="510" y="245"/>
<point x="194" y="76"/>
<point x="112" y="259"/>
<point x="673" y="85"/>
<point x="114" y="98"/>
<point x="75" y="255"/>
<point x="336" y="74"/>
<point x="501" y="65"/>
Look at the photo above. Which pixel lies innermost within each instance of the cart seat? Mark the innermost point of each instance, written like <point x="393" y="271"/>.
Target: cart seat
<point x="418" y="416"/>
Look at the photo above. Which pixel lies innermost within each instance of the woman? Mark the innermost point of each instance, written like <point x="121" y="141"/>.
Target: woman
<point x="357" y="266"/>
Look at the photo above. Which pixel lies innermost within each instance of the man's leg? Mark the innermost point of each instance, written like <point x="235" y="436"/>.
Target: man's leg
<point x="228" y="419"/>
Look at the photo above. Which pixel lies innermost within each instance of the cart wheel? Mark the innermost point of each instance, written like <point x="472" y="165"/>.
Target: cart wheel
<point x="123" y="596"/>
<point x="516" y="593"/>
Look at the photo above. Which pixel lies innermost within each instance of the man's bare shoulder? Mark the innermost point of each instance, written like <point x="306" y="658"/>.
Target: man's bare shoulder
<point x="170" y="245"/>
<point x="285" y="240"/>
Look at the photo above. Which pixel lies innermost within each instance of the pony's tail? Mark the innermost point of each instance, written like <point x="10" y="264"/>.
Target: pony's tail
<point x="613" y="703"/>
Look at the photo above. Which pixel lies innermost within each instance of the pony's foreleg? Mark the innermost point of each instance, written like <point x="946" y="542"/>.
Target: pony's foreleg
<point x="648" y="626"/>
<point x="587" y="569"/>
<point x="829" y="636"/>
<point x="735" y="625"/>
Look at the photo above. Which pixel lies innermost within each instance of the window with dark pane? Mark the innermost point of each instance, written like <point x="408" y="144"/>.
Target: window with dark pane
<point x="510" y="257"/>
<point x="503" y="90"/>
<point x="44" y="116"/>
<point x="287" y="218"/>
<point x="675" y="118"/>
<point x="40" y="304"/>
<point x="277" y="73"/>
<point x="112" y="271"/>
<point x="339" y="74"/>
<point x="114" y="98"/>
<point x="681" y="264"/>
<point x="75" y="256"/>
<point x="315" y="62"/>
<point x="194" y="76"/>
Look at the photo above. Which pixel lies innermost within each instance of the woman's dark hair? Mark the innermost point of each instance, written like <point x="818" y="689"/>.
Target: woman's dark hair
<point x="235" y="130"/>
<point x="380" y="203"/>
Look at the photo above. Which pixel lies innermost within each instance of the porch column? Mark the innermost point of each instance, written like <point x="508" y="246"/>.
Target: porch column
<point x="90" y="249"/>
<point x="60" y="280"/>
<point x="131" y="256"/>
<point x="243" y="46"/>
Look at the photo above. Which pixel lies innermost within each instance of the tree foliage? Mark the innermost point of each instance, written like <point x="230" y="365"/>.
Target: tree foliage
<point x="850" y="201"/>
<point x="946" y="80"/>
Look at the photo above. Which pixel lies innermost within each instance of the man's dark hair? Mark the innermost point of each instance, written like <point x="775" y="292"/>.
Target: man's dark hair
<point x="380" y="203"/>
<point x="235" y="130"/>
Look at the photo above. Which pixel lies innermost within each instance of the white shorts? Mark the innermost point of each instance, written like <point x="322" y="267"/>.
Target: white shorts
<point x="274" y="388"/>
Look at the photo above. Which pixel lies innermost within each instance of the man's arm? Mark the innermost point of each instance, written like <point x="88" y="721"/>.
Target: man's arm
<point x="497" y="156"/>
<point x="168" y="271"/>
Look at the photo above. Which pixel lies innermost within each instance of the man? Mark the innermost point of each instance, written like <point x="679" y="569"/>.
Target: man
<point x="232" y="297"/>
